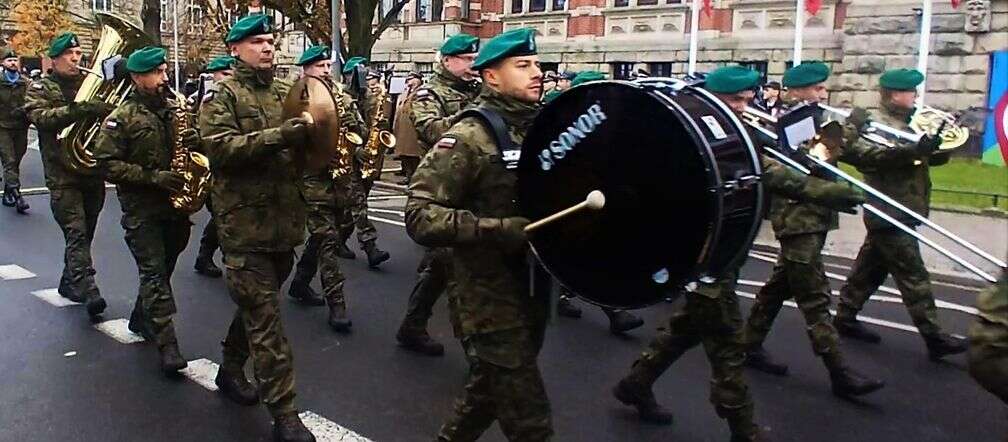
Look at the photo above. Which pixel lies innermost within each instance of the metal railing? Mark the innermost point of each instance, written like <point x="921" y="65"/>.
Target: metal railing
<point x="995" y="198"/>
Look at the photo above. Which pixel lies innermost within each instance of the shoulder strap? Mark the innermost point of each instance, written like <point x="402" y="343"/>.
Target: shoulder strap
<point x="509" y="150"/>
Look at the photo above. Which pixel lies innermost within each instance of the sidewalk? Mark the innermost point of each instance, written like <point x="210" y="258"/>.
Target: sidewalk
<point x="988" y="233"/>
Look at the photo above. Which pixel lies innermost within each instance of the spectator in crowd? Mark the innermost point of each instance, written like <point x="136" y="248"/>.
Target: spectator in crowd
<point x="407" y="150"/>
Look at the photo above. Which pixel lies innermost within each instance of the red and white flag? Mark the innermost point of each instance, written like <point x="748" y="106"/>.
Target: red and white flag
<point x="955" y="4"/>
<point x="707" y="8"/>
<point x="813" y="6"/>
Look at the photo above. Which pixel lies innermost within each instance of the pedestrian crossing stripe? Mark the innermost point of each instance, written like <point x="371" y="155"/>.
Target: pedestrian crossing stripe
<point x="12" y="271"/>
<point x="53" y="297"/>
<point x="117" y="329"/>
<point x="326" y="430"/>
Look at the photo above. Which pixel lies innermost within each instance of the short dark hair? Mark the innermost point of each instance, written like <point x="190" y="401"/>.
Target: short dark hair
<point x="772" y="85"/>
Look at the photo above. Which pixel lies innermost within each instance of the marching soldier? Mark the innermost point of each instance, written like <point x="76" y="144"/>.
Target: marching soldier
<point x="260" y="214"/>
<point x="13" y="129"/>
<point x="462" y="196"/>
<point x="76" y="198"/>
<point x="134" y="150"/>
<point x="801" y="228"/>
<point x="902" y="173"/>
<point x="435" y="108"/>
<point x="327" y="199"/>
<point x="988" y="349"/>
<point x="357" y="216"/>
<point x="711" y="315"/>
<point x="220" y="68"/>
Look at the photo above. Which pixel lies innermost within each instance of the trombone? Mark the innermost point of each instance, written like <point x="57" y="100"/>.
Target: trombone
<point x="886" y="199"/>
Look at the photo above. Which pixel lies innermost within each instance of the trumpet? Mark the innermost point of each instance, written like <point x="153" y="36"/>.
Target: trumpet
<point x="926" y="120"/>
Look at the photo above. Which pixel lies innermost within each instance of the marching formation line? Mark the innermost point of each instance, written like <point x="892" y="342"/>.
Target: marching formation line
<point x="889" y="299"/>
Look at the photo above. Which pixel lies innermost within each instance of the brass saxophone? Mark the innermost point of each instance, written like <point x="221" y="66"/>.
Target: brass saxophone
<point x="378" y="139"/>
<point x="349" y="141"/>
<point x="193" y="166"/>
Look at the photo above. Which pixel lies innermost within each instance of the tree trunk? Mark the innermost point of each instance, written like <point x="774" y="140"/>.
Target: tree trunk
<point x="360" y="15"/>
<point x="151" y="16"/>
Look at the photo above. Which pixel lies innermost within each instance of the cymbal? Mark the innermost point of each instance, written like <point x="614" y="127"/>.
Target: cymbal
<point x="311" y="95"/>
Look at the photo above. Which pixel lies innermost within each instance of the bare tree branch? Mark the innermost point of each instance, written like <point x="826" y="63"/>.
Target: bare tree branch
<point x="389" y="18"/>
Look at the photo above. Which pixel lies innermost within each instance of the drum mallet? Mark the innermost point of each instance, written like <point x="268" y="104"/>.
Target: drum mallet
<point x="594" y="201"/>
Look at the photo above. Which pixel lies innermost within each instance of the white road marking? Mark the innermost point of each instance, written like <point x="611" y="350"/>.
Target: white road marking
<point x="69" y="354"/>
<point x="33" y="145"/>
<point x="890" y="299"/>
<point x="13" y="271"/>
<point x="28" y="191"/>
<point x="326" y="430"/>
<point x="387" y="221"/>
<point x="388" y="211"/>
<point x="53" y="297"/>
<point x="387" y="197"/>
<point x="117" y="329"/>
<point x="203" y="372"/>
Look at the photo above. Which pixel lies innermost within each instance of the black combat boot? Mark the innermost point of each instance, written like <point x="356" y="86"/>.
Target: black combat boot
<point x="567" y="308"/>
<point x="235" y="386"/>
<point x="8" y="196"/>
<point x="418" y="341"/>
<point x="622" y="321"/>
<point x="338" y="319"/>
<point x="205" y="265"/>
<point x="289" y="428"/>
<point x="301" y="292"/>
<point x="375" y="256"/>
<point x="848" y="382"/>
<point x="640" y="396"/>
<point x="171" y="359"/>
<point x="344" y="252"/>
<point x="849" y="327"/>
<point x="19" y="203"/>
<point x="757" y="358"/>
<point x="95" y="306"/>
<point x="138" y="325"/>
<point x="67" y="291"/>
<point x="941" y="345"/>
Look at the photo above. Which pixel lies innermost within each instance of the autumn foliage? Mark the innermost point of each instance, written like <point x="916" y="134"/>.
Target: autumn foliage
<point x="38" y="21"/>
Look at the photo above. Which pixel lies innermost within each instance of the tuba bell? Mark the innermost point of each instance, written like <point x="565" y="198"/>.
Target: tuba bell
<point x="119" y="37"/>
<point x="927" y="120"/>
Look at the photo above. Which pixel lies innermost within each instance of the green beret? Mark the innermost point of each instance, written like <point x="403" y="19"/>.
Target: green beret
<point x="901" y="79"/>
<point x="513" y="43"/>
<point x="806" y="74"/>
<point x="731" y="79"/>
<point x="460" y="44"/>
<point x="248" y="26"/>
<point x="61" y="43"/>
<point x="313" y="54"/>
<point x="352" y="63"/>
<point x="551" y="95"/>
<point x="586" y="76"/>
<point x="145" y="59"/>
<point x="220" y="64"/>
<point x="7" y="53"/>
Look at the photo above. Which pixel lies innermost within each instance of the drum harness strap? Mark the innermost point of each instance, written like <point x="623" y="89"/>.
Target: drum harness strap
<point x="509" y="150"/>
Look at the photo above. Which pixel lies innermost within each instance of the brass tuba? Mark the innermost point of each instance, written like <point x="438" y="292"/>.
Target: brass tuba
<point x="378" y="139"/>
<point x="927" y="120"/>
<point x="119" y="37"/>
<point x="193" y="166"/>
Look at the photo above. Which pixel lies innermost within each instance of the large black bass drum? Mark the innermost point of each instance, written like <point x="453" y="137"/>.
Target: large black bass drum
<point x="680" y="178"/>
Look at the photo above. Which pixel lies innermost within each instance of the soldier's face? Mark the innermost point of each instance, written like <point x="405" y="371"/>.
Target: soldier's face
<point x="220" y="75"/>
<point x="321" y="69"/>
<point x="737" y="101"/>
<point x="548" y="84"/>
<point x="770" y="93"/>
<point x="372" y="82"/>
<point x="154" y="82"/>
<point x="814" y="93"/>
<point x="563" y="84"/>
<point x="67" y="63"/>
<point x="460" y="65"/>
<point x="516" y="77"/>
<point x="257" y="51"/>
<point x="903" y="99"/>
<point x="11" y="64"/>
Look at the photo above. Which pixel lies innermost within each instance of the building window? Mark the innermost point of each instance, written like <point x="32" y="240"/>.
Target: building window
<point x="429" y="10"/>
<point x="647" y="2"/>
<point x="622" y="71"/>
<point x="660" y="69"/>
<point x="386" y="5"/>
<point x="101" y="5"/>
<point x="195" y="16"/>
<point x="537" y="5"/>
<point x="621" y="3"/>
<point x="465" y="10"/>
<point x="517" y="6"/>
<point x="624" y="3"/>
<point x="165" y="16"/>
<point x="522" y="6"/>
<point x="758" y="66"/>
<point x="559" y="5"/>
<point x="424" y="68"/>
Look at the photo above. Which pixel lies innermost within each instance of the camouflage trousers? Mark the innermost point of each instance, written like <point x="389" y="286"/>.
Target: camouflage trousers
<point x="988" y="356"/>
<point x="886" y="252"/>
<point x="320" y="252"/>
<point x="13" y="145"/>
<point x="798" y="274"/>
<point x="504" y="385"/>
<point x="76" y="211"/>
<point x="432" y="281"/>
<point x="253" y="281"/>
<point x="156" y="244"/>
<point x="356" y="215"/>
<point x="209" y="242"/>
<point x="711" y="317"/>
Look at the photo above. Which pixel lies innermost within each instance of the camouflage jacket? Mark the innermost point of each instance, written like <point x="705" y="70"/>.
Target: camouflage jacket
<point x="991" y="328"/>
<point x="12" y="100"/>
<point x="437" y="103"/>
<point x="257" y="199"/>
<point x="459" y="192"/>
<point x="899" y="172"/>
<point x="319" y="187"/>
<point x="47" y="104"/>
<point x="136" y="141"/>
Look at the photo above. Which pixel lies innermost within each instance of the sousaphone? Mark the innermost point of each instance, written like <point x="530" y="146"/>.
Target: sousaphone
<point x="311" y="98"/>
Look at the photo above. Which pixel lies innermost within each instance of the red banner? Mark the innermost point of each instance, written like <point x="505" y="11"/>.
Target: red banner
<point x="707" y="8"/>
<point x="955" y="4"/>
<point x="813" y="6"/>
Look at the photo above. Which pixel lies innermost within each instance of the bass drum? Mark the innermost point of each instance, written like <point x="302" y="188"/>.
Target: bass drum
<point x="681" y="181"/>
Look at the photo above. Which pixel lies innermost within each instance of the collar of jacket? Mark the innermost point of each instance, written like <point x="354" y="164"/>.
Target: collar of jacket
<point x="515" y="112"/>
<point x="900" y="113"/>
<point x="257" y="78"/>
<point x="452" y="81"/>
<point x="63" y="80"/>
<point x="155" y="103"/>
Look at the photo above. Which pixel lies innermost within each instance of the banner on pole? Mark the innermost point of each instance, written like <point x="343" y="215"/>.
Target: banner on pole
<point x="995" y="139"/>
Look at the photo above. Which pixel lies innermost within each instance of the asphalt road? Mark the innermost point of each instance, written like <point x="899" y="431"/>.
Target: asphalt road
<point x="65" y="380"/>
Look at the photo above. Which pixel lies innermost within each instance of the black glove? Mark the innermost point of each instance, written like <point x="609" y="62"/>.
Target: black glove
<point x="928" y="144"/>
<point x="858" y="118"/>
<point x="191" y="139"/>
<point x="510" y="232"/>
<point x="294" y="130"/>
<point x="168" y="180"/>
<point x="836" y="196"/>
<point x="97" y="108"/>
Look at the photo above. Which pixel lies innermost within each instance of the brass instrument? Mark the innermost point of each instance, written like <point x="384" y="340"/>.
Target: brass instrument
<point x="119" y="37"/>
<point x="927" y="120"/>
<point x="312" y="98"/>
<point x="193" y="166"/>
<point x="378" y="139"/>
<point x="348" y="141"/>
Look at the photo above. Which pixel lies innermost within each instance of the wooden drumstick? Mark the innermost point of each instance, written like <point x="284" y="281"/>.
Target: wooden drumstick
<point x="595" y="201"/>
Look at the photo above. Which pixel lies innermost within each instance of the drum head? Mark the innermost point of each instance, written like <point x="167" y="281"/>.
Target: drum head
<point x="312" y="96"/>
<point x="629" y="143"/>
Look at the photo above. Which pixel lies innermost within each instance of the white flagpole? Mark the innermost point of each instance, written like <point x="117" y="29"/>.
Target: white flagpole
<point x="922" y="56"/>
<point x="336" y="36"/>
<point x="799" y="26"/>
<point x="175" y="41"/>
<point x="694" y="30"/>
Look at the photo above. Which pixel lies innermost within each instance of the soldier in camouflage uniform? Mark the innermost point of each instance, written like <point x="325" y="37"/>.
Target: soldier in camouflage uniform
<point x="134" y="151"/>
<point x="357" y="216"/>
<point x="76" y="198"/>
<point x="462" y="196"/>
<point x="902" y="175"/>
<point x="13" y="129"/>
<point x="711" y="315"/>
<point x="260" y="213"/>
<point x="327" y="199"/>
<point x="988" y="350"/>
<point x="435" y="108"/>
<point x="801" y="229"/>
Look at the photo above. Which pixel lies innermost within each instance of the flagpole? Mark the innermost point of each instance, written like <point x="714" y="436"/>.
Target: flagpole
<point x="799" y="28"/>
<point x="694" y="30"/>
<point x="175" y="41"/>
<point x="337" y="61"/>
<point x="922" y="56"/>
